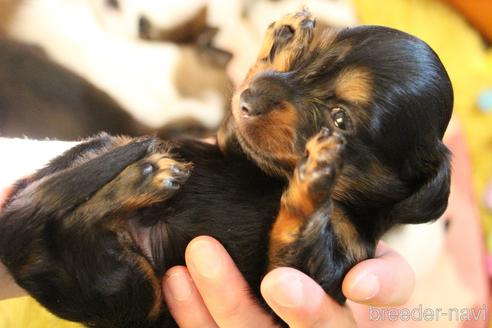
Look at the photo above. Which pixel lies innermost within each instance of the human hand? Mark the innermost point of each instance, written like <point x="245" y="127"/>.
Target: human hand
<point x="211" y="292"/>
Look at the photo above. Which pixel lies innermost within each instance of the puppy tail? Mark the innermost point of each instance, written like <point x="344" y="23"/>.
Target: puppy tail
<point x="431" y="200"/>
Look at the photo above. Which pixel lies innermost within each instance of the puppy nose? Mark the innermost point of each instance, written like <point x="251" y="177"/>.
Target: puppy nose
<point x="253" y="103"/>
<point x="144" y="27"/>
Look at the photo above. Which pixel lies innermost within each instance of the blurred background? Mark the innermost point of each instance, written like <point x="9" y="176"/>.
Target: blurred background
<point x="72" y="68"/>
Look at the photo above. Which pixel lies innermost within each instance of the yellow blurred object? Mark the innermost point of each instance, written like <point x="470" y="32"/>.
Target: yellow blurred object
<point x="469" y="65"/>
<point x="25" y="312"/>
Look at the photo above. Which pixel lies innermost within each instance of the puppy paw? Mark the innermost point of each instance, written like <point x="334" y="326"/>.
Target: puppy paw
<point x="297" y="24"/>
<point x="323" y="161"/>
<point x="153" y="179"/>
<point x="160" y="172"/>
<point x="287" y="39"/>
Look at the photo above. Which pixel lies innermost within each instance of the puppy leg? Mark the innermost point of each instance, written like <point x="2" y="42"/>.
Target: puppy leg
<point x="153" y="179"/>
<point x="64" y="237"/>
<point x="88" y="149"/>
<point x="311" y="232"/>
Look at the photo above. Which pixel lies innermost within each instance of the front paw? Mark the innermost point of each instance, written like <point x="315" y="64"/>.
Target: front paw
<point x="153" y="179"/>
<point x="287" y="39"/>
<point x="160" y="173"/>
<point x="295" y="27"/>
<point x="318" y="170"/>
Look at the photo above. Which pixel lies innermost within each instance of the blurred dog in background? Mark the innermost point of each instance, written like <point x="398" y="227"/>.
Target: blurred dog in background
<point x="159" y="60"/>
<point x="144" y="78"/>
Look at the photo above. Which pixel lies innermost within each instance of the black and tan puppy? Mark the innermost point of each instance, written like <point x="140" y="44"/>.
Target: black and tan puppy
<point x="334" y="137"/>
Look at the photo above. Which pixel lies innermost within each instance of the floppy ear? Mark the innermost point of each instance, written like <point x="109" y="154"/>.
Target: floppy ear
<point x="430" y="201"/>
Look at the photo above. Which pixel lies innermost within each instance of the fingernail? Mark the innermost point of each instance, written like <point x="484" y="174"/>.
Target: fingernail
<point x="180" y="286"/>
<point x="286" y="290"/>
<point x="206" y="259"/>
<point x="365" y="288"/>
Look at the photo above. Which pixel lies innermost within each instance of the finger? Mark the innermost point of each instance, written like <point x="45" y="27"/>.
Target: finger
<point x="183" y="300"/>
<point x="301" y="302"/>
<point x="386" y="280"/>
<point x="222" y="287"/>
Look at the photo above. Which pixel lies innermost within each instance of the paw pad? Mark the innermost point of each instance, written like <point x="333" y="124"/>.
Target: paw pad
<point x="160" y="171"/>
<point x="171" y="183"/>
<point x="148" y="169"/>
<point x="323" y="161"/>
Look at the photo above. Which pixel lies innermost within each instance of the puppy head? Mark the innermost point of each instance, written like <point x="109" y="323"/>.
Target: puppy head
<point x="386" y="91"/>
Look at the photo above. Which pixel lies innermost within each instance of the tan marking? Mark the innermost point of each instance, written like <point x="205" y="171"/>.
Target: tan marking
<point x="277" y="130"/>
<point x="121" y="140"/>
<point x="297" y="197"/>
<point x="148" y="271"/>
<point x="284" y="232"/>
<point x="346" y="234"/>
<point x="273" y="135"/>
<point x="295" y="209"/>
<point x="266" y="45"/>
<point x="354" y="85"/>
<point x="139" y="201"/>
<point x="122" y="190"/>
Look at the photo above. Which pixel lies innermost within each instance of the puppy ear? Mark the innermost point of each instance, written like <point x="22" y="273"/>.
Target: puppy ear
<point x="430" y="201"/>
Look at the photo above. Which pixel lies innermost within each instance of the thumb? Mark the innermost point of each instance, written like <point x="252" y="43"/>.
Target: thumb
<point x="301" y="302"/>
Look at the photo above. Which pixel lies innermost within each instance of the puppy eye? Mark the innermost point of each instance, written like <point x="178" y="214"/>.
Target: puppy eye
<point x="113" y="4"/>
<point x="340" y="118"/>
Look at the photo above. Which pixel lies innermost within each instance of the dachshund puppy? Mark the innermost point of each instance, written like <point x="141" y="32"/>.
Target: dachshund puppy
<point x="335" y="136"/>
